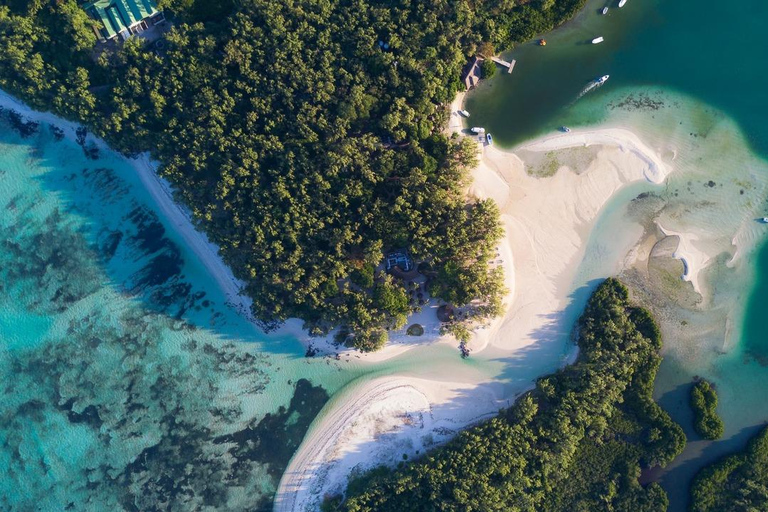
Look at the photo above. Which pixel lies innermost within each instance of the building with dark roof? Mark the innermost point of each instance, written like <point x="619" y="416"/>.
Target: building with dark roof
<point x="472" y="72"/>
<point x="400" y="260"/>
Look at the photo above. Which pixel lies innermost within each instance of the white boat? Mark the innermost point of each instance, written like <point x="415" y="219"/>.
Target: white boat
<point x="622" y="2"/>
<point x="602" y="79"/>
<point x="489" y="139"/>
<point x="463" y="113"/>
<point x="605" y="11"/>
<point x="764" y="220"/>
<point x="477" y="129"/>
<point x="598" y="40"/>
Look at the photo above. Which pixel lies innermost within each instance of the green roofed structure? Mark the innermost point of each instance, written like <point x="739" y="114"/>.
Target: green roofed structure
<point x="123" y="17"/>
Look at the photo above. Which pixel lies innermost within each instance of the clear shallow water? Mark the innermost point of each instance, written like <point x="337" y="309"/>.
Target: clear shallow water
<point x="688" y="77"/>
<point x="126" y="381"/>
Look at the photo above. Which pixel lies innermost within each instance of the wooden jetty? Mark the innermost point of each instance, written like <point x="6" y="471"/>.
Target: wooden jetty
<point x="509" y="65"/>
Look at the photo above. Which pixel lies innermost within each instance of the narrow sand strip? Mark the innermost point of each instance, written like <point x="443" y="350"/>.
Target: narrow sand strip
<point x="377" y="422"/>
<point x="694" y="259"/>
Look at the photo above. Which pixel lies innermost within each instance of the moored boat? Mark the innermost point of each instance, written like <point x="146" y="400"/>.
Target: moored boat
<point x="622" y="2"/>
<point x="764" y="220"/>
<point x="463" y="113"/>
<point x="542" y="42"/>
<point x="598" y="40"/>
<point x="477" y="129"/>
<point x="604" y="11"/>
<point x="489" y="139"/>
<point x="565" y="129"/>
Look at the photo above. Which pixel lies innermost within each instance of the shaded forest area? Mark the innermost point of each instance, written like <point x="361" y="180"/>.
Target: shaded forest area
<point x="737" y="483"/>
<point x="577" y="442"/>
<point x="304" y="148"/>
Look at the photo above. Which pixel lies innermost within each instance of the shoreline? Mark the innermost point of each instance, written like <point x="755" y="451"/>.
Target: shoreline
<point x="207" y="252"/>
<point x="547" y="222"/>
<point x="694" y="260"/>
<point x="161" y="192"/>
<point x="344" y="438"/>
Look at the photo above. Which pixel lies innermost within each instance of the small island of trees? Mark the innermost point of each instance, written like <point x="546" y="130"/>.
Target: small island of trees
<point x="704" y="404"/>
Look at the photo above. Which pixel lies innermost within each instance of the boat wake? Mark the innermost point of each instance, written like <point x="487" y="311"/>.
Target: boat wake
<point x="591" y="86"/>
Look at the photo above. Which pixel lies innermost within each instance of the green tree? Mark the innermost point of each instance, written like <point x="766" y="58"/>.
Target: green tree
<point x="707" y="423"/>
<point x="595" y="419"/>
<point x="488" y="68"/>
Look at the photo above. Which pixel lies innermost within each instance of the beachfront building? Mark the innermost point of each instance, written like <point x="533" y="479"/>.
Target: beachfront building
<point x="472" y="72"/>
<point x="123" y="18"/>
<point x="399" y="260"/>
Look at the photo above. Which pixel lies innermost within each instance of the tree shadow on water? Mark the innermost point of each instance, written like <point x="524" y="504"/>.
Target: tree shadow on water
<point x="144" y="361"/>
<point x="140" y="253"/>
<point x="553" y="341"/>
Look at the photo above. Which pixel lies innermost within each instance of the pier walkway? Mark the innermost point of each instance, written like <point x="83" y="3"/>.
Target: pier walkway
<point x="509" y="65"/>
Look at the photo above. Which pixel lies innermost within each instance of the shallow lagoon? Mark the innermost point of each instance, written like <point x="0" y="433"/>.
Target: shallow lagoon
<point x="688" y="78"/>
<point x="126" y="381"/>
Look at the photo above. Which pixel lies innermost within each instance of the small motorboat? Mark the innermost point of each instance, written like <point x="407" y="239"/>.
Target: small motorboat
<point x="565" y="129"/>
<point x="489" y="139"/>
<point x="463" y="113"/>
<point x="542" y="42"/>
<point x="604" y="11"/>
<point x="598" y="40"/>
<point x="622" y="3"/>
<point x="601" y="80"/>
<point x="764" y="220"/>
<point x="477" y="129"/>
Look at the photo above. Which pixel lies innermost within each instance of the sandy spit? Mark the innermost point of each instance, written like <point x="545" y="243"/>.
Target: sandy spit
<point x="547" y="223"/>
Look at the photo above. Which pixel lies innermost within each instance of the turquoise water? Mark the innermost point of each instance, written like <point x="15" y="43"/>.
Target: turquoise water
<point x="126" y="381"/>
<point x="689" y="78"/>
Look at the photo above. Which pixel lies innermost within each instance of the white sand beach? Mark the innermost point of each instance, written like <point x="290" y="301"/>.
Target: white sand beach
<point x="378" y="421"/>
<point x="694" y="258"/>
<point x="547" y="221"/>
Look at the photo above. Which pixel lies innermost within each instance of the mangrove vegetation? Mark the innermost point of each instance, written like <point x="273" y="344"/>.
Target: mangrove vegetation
<point x="706" y="421"/>
<point x="737" y="483"/>
<point x="575" y="443"/>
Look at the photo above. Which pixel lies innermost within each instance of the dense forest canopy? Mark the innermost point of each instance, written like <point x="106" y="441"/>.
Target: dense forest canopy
<point x="575" y="443"/>
<point x="737" y="483"/>
<point x="303" y="145"/>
